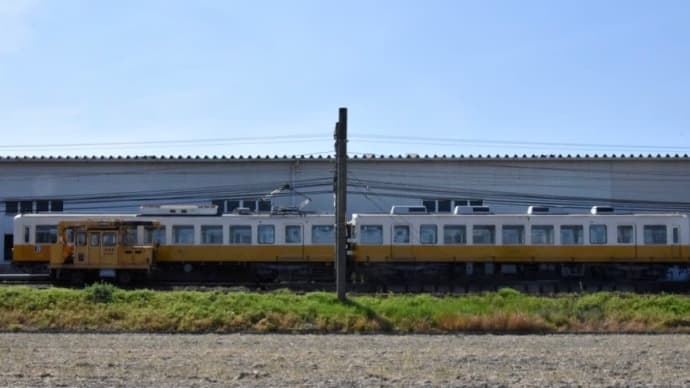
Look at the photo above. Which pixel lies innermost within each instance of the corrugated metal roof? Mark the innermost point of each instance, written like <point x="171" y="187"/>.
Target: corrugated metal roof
<point x="452" y="157"/>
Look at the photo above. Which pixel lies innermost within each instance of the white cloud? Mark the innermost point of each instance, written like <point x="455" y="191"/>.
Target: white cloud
<point x="14" y="23"/>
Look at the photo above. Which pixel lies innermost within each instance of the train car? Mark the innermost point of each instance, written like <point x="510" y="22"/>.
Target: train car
<point x="184" y="240"/>
<point x="188" y="242"/>
<point x="602" y="243"/>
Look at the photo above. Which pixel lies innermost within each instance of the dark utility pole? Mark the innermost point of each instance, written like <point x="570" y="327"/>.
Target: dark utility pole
<point x="341" y="203"/>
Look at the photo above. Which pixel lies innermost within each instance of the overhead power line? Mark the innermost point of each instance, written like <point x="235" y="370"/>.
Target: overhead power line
<point x="298" y="138"/>
<point x="449" y="141"/>
<point x="356" y="140"/>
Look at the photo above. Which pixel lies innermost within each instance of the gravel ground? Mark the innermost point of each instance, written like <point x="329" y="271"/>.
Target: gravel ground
<point x="342" y="360"/>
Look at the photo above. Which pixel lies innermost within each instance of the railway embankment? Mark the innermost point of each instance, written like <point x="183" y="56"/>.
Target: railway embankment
<point x="105" y="308"/>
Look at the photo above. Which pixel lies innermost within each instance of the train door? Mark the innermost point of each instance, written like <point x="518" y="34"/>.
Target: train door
<point x="102" y="248"/>
<point x="108" y="252"/>
<point x="81" y="249"/>
<point x="675" y="241"/>
<point x="635" y="240"/>
<point x="93" y="253"/>
<point x="294" y="241"/>
<point x="401" y="248"/>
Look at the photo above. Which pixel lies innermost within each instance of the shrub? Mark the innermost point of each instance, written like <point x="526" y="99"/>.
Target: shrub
<point x="100" y="292"/>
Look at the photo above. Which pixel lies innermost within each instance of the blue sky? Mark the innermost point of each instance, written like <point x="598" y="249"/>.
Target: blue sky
<point x="163" y="77"/>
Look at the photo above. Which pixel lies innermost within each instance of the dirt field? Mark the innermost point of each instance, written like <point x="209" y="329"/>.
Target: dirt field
<point x="336" y="360"/>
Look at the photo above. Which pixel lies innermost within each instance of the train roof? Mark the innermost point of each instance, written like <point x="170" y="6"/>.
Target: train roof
<point x="189" y="217"/>
<point x="497" y="215"/>
<point x="377" y="157"/>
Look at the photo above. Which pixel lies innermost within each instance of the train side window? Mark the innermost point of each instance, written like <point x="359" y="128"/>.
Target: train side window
<point x="542" y="234"/>
<point x="27" y="232"/>
<point x="109" y="239"/>
<point x="183" y="234"/>
<point x="95" y="239"/>
<point x="293" y="234"/>
<point x="454" y="234"/>
<point x="513" y="234"/>
<point x="371" y="234"/>
<point x="267" y="234"/>
<point x="240" y="234"/>
<point x="655" y="234"/>
<point x="81" y="239"/>
<point x="401" y="234"/>
<point x="154" y="235"/>
<point x="483" y="234"/>
<point x="428" y="234"/>
<point x="130" y="236"/>
<point x="572" y="235"/>
<point x="676" y="235"/>
<point x="46" y="234"/>
<point x="211" y="234"/>
<point x="597" y="234"/>
<point x="323" y="234"/>
<point x="625" y="234"/>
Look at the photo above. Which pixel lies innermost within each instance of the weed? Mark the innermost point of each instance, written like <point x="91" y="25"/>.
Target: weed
<point x="100" y="292"/>
<point x="105" y="307"/>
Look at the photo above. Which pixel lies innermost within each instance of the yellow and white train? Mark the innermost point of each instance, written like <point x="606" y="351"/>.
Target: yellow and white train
<point x="471" y="243"/>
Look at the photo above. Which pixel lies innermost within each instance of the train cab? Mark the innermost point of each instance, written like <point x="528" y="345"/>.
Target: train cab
<point x="104" y="249"/>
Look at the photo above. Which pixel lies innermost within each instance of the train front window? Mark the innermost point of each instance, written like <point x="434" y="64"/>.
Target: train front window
<point x="597" y="234"/>
<point x="428" y="234"/>
<point x="323" y="234"/>
<point x="513" y="234"/>
<point x="483" y="234"/>
<point x="371" y="234"/>
<point x="625" y="234"/>
<point x="293" y="234"/>
<point x="240" y="234"/>
<point x="183" y="234"/>
<point x="401" y="234"/>
<point x="211" y="234"/>
<point x="46" y="234"/>
<point x="267" y="234"/>
<point x="542" y="234"/>
<point x="655" y="234"/>
<point x="572" y="235"/>
<point x="454" y="234"/>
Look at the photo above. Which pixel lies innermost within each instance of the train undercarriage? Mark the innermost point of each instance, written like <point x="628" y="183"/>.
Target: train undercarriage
<point x="401" y="277"/>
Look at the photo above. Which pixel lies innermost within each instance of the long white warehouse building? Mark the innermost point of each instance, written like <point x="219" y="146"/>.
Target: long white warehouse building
<point x="650" y="183"/>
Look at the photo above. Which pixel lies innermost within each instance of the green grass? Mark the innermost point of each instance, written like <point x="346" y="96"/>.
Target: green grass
<point x="105" y="308"/>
